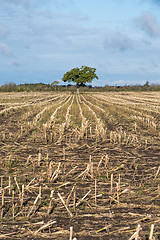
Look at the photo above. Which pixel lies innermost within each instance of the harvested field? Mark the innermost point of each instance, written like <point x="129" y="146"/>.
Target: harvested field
<point x="81" y="166"/>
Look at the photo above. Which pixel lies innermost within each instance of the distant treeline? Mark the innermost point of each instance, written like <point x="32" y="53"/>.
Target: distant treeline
<point x="28" y="87"/>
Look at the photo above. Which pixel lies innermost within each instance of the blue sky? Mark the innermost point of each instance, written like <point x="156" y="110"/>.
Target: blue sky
<point x="42" y="39"/>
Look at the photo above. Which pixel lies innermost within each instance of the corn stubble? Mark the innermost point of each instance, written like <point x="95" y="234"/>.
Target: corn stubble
<point x="89" y="160"/>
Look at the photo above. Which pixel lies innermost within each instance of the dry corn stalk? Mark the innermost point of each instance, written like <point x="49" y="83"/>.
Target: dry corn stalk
<point x="56" y="173"/>
<point x="47" y="225"/>
<point x="84" y="123"/>
<point x="88" y="102"/>
<point x="151" y="232"/>
<point x="39" y="115"/>
<point x="80" y="201"/>
<point x="136" y="234"/>
<point x="50" y="202"/>
<point x="100" y="130"/>
<point x="52" y="118"/>
<point x="33" y="208"/>
<point x="59" y="195"/>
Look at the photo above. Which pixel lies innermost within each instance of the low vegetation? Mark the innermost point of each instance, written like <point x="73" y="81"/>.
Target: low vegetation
<point x="41" y="87"/>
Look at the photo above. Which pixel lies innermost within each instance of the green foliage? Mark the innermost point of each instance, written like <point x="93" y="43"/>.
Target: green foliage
<point x="146" y="84"/>
<point x="10" y="87"/>
<point x="85" y="75"/>
<point x="80" y="76"/>
<point x="54" y="83"/>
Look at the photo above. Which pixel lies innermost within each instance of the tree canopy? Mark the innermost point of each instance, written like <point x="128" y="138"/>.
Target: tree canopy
<point x="54" y="83"/>
<point x="80" y="76"/>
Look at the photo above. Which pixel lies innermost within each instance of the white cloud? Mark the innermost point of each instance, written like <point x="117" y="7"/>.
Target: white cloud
<point x="118" y="41"/>
<point x="5" y="50"/>
<point x="14" y="63"/>
<point x="148" y="24"/>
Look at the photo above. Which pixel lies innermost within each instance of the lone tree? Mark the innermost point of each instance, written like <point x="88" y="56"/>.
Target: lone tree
<point x="80" y="76"/>
<point x="55" y="84"/>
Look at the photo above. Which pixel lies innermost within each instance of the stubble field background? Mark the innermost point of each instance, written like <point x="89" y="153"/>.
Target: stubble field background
<point x="81" y="166"/>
